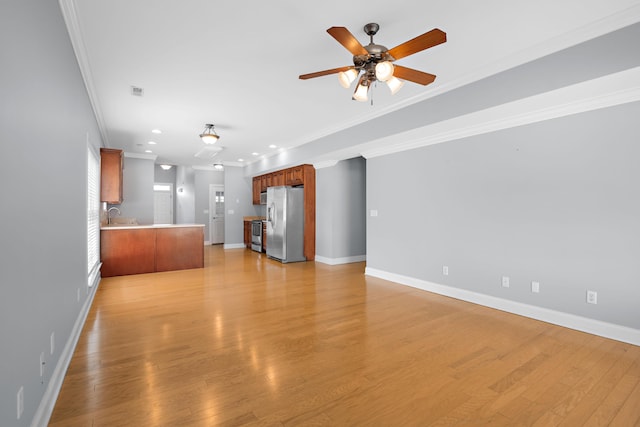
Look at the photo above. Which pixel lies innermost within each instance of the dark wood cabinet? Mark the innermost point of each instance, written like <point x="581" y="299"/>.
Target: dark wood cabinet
<point x="256" y="190"/>
<point x="111" y="165"/>
<point x="277" y="178"/>
<point x="294" y="176"/>
<point x="137" y="250"/>
<point x="247" y="234"/>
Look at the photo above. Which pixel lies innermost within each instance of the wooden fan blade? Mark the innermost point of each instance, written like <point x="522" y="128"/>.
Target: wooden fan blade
<point x="425" y="41"/>
<point x="324" y="73"/>
<point x="346" y="39"/>
<point x="412" y="75"/>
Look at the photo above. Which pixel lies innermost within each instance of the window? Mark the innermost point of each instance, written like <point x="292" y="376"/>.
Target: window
<point x="93" y="216"/>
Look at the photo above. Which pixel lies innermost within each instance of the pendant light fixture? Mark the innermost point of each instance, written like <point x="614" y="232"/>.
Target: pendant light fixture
<point x="209" y="135"/>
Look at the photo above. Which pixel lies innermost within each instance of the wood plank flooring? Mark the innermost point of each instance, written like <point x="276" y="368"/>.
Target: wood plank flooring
<point x="247" y="341"/>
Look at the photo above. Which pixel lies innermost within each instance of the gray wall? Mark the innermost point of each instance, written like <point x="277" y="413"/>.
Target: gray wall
<point x="204" y="178"/>
<point x="185" y="195"/>
<point x="138" y="178"/>
<point x="238" y="197"/>
<point x="341" y="210"/>
<point x="167" y="177"/>
<point x="43" y="218"/>
<point x="556" y="202"/>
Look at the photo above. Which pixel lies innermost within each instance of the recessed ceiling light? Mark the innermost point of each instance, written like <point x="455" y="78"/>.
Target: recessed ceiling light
<point x="273" y="146"/>
<point x="156" y="131"/>
<point x="255" y="154"/>
<point x="152" y="143"/>
<point x="241" y="160"/>
<point x="148" y="151"/>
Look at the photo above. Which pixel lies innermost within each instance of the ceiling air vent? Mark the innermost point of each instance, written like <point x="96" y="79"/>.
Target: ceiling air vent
<point x="208" y="152"/>
<point x="137" y="91"/>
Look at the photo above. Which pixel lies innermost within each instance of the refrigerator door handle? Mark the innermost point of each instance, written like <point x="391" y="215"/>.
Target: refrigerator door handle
<point x="270" y="214"/>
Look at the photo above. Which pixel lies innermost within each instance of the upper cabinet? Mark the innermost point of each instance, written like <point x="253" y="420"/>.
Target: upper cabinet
<point x="277" y="178"/>
<point x="294" y="176"/>
<point x="111" y="165"/>
<point x="257" y="188"/>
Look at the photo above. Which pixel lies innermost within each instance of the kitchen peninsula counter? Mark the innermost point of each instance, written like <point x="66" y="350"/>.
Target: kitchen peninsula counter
<point x="134" y="249"/>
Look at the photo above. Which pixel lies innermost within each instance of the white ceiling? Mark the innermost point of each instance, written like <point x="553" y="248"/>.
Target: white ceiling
<point x="236" y="64"/>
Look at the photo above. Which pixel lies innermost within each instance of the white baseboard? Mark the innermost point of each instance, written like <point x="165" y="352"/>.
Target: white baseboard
<point x="571" y="321"/>
<point x="48" y="402"/>
<point x="343" y="260"/>
<point x="234" y="246"/>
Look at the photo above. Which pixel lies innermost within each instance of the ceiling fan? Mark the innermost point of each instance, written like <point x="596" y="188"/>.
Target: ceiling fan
<point x="375" y="62"/>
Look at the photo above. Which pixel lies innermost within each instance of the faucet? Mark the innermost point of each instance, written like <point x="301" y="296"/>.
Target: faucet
<point x="109" y="214"/>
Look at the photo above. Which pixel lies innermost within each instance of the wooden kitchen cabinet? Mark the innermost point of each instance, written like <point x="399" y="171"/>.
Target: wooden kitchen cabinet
<point x="277" y="178"/>
<point x="256" y="190"/>
<point x="147" y="249"/>
<point x="111" y="165"/>
<point x="247" y="233"/>
<point x="294" y="176"/>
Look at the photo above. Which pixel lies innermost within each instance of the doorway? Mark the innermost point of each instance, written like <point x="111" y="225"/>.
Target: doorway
<point x="162" y="203"/>
<point x="216" y="216"/>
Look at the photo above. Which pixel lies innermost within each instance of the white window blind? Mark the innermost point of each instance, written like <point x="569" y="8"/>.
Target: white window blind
<point x="93" y="216"/>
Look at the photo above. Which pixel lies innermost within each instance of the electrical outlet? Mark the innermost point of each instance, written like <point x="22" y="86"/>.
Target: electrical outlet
<point x="445" y="270"/>
<point x="20" y="402"/>
<point x="53" y="342"/>
<point x="592" y="297"/>
<point x="373" y="212"/>
<point x="535" y="287"/>
<point x="505" y="281"/>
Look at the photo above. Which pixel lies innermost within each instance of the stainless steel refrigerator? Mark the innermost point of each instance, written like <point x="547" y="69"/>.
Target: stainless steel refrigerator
<point x="285" y="223"/>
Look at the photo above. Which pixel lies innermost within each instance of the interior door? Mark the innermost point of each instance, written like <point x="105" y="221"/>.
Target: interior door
<point x="162" y="203"/>
<point x="216" y="210"/>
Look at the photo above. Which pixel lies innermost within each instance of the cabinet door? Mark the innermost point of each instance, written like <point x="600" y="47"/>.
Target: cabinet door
<point x="294" y="176"/>
<point x="263" y="183"/>
<point x="256" y="190"/>
<point x="278" y="178"/>
<point x="247" y="234"/>
<point x="111" y="164"/>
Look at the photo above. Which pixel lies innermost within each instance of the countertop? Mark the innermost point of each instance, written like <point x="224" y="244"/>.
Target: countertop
<point x="253" y="218"/>
<point x="136" y="226"/>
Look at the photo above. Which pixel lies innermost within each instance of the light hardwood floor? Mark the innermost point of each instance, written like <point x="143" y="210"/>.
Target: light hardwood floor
<point x="249" y="341"/>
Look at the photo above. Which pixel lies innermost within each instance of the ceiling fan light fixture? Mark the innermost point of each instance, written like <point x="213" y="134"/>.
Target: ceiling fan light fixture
<point x="361" y="91"/>
<point x="384" y="71"/>
<point x="347" y="77"/>
<point x="209" y="135"/>
<point x="394" y="84"/>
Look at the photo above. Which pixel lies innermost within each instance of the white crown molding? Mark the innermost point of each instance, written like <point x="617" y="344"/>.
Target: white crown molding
<point x="587" y="32"/>
<point x="69" y="13"/>
<point x="571" y="321"/>
<point x="614" y="89"/>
